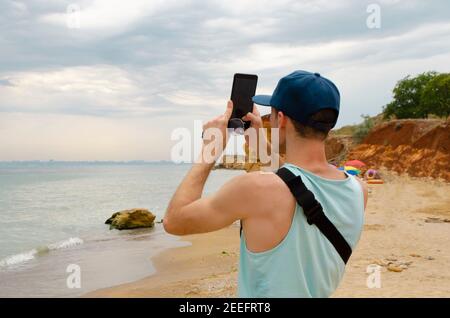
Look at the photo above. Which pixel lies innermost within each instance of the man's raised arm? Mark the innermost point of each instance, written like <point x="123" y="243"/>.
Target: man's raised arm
<point x="187" y="211"/>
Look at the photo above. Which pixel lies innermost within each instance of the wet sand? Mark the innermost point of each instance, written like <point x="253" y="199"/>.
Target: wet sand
<point x="406" y="232"/>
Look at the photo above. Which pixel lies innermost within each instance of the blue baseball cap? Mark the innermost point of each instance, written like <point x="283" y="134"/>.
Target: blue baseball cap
<point x="301" y="94"/>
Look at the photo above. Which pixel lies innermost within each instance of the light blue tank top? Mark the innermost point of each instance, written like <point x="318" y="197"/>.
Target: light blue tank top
<point x="305" y="263"/>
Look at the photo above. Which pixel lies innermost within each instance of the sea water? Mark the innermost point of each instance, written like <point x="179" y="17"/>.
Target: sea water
<point x="52" y="215"/>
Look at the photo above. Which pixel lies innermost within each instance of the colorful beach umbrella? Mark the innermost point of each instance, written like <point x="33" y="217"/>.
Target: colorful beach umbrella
<point x="351" y="170"/>
<point x="355" y="163"/>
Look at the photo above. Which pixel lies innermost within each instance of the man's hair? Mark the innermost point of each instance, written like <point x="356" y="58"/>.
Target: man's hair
<point x="325" y="116"/>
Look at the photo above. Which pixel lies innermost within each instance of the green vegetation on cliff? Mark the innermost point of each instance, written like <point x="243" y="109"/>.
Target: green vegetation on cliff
<point x="418" y="97"/>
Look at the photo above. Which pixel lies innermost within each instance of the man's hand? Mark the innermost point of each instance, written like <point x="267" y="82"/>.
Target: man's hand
<point x="256" y="123"/>
<point x="215" y="136"/>
<point x="254" y="117"/>
<point x="262" y="142"/>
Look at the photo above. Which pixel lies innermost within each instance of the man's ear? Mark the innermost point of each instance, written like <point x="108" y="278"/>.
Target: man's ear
<point x="282" y="120"/>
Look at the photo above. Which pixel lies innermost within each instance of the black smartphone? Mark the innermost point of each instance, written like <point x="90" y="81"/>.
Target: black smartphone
<point x="244" y="88"/>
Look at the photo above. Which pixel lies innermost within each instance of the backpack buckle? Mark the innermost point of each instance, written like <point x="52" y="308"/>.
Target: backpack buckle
<point x="313" y="213"/>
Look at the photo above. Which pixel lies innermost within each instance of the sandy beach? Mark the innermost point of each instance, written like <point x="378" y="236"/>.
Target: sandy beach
<point x="406" y="232"/>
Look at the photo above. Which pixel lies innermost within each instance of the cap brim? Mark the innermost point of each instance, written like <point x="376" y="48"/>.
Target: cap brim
<point x="262" y="100"/>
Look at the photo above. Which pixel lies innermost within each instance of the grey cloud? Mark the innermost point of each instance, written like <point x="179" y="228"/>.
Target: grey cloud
<point x="181" y="48"/>
<point x="181" y="33"/>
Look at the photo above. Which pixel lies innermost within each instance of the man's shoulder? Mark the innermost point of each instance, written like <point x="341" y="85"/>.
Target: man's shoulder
<point x="260" y="180"/>
<point x="261" y="189"/>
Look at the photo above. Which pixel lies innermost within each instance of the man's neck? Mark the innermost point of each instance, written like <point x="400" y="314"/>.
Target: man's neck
<point x="306" y="153"/>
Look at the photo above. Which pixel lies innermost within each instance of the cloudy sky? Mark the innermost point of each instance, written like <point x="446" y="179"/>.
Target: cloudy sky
<point x="114" y="86"/>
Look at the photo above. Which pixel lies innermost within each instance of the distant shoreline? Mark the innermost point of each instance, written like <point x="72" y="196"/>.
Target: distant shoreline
<point x="91" y="162"/>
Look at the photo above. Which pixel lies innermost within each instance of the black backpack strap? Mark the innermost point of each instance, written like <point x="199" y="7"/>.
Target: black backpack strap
<point x="314" y="212"/>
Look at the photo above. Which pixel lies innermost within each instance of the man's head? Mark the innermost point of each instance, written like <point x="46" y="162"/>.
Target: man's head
<point x="279" y="120"/>
<point x="304" y="105"/>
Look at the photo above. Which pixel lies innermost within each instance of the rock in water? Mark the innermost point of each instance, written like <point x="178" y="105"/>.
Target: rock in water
<point x="131" y="219"/>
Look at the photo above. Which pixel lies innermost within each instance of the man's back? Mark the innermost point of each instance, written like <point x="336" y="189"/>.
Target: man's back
<point x="302" y="262"/>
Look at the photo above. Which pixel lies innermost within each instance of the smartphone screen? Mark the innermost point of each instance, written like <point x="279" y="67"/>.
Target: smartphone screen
<point x="244" y="88"/>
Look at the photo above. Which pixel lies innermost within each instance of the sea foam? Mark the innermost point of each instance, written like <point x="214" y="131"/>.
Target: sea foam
<point x="29" y="255"/>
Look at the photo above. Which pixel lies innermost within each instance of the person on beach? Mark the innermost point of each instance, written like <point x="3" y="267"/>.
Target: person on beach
<point x="300" y="224"/>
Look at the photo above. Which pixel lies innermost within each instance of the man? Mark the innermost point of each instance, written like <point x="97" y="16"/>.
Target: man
<point x="281" y="254"/>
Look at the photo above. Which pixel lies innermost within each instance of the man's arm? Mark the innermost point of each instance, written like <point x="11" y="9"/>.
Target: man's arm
<point x="187" y="212"/>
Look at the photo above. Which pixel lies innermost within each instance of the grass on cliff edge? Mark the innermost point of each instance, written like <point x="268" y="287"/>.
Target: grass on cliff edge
<point x="361" y="130"/>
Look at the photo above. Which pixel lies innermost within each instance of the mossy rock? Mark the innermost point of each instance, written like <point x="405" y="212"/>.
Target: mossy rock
<point x="131" y="219"/>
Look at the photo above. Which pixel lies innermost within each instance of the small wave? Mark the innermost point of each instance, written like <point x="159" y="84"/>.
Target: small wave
<point x="27" y="256"/>
<point x="18" y="258"/>
<point x="71" y="242"/>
